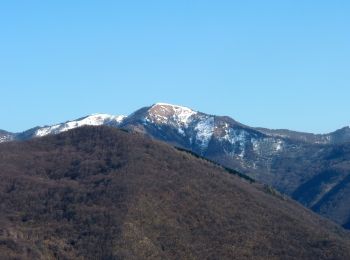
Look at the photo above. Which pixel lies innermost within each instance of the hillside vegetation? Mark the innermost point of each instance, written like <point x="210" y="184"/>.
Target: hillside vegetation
<point x="103" y="193"/>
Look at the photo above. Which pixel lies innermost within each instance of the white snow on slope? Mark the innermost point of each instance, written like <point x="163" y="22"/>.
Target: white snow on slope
<point x="267" y="146"/>
<point x="235" y="136"/>
<point x="178" y="117"/>
<point x="278" y="145"/>
<point x="165" y="113"/>
<point x="205" y="130"/>
<point x="5" y="138"/>
<point x="95" y="120"/>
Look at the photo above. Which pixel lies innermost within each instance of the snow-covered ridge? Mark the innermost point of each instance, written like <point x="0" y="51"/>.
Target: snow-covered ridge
<point x="192" y="127"/>
<point x="95" y="120"/>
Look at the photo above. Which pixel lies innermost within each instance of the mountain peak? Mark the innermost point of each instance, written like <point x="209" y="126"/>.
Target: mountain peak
<point x="163" y="113"/>
<point x="176" y="108"/>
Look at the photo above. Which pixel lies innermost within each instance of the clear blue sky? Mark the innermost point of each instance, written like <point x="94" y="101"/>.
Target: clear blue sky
<point x="277" y="64"/>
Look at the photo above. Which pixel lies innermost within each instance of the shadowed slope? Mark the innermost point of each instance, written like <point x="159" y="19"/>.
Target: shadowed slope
<point x="102" y="193"/>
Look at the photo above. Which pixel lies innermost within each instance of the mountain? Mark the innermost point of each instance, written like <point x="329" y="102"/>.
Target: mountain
<point x="6" y="136"/>
<point x="338" y="137"/>
<point x="104" y="193"/>
<point x="94" y="120"/>
<point x="310" y="168"/>
<point x="327" y="192"/>
<point x="341" y="136"/>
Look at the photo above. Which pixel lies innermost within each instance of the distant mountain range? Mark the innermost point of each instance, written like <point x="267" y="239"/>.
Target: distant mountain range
<point x="311" y="168"/>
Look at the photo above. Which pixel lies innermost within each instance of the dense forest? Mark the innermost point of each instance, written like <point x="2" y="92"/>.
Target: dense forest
<point x="103" y="193"/>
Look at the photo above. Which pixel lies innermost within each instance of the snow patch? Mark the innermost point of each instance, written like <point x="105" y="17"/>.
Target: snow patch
<point x="5" y="138"/>
<point x="205" y="130"/>
<point x="267" y="145"/>
<point x="278" y="145"/>
<point x="181" y="131"/>
<point x="235" y="136"/>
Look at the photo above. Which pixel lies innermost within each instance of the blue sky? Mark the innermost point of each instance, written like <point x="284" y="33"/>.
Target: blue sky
<point x="277" y="64"/>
